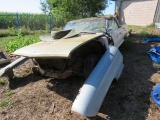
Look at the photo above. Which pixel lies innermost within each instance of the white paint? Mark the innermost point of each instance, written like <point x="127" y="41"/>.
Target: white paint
<point x="92" y="94"/>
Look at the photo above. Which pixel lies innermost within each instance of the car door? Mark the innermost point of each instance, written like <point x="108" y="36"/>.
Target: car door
<point x="116" y="32"/>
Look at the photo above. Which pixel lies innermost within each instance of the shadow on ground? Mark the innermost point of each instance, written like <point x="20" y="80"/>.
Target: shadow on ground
<point x="23" y="81"/>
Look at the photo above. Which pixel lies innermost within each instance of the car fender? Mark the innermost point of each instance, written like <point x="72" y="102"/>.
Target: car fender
<point x="92" y="93"/>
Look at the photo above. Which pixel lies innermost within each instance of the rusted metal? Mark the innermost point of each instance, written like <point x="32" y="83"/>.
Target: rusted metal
<point x="3" y="59"/>
<point x="17" y="62"/>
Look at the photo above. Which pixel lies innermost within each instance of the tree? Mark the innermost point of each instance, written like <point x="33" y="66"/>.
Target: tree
<point x="74" y="9"/>
<point x="44" y="6"/>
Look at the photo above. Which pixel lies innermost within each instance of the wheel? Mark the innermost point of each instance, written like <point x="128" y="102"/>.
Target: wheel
<point x="90" y="62"/>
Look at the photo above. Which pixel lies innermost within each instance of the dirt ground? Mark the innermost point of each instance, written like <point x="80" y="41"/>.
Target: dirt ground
<point x="39" y="98"/>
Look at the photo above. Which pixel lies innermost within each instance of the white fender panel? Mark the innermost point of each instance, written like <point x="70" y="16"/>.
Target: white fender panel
<point x="92" y="93"/>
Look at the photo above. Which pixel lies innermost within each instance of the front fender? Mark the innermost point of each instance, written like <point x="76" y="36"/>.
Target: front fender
<point x="92" y="93"/>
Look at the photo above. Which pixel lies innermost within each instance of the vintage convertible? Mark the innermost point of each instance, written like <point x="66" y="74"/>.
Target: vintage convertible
<point x="86" y="47"/>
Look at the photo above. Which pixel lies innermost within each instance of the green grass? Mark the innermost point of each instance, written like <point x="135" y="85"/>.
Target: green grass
<point x="20" y="42"/>
<point x="4" y="41"/>
<point x="6" y="103"/>
<point x="10" y="93"/>
<point x="2" y="82"/>
<point x="12" y="43"/>
<point x="145" y="32"/>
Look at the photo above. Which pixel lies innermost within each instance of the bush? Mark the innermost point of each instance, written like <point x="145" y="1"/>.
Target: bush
<point x="21" y="41"/>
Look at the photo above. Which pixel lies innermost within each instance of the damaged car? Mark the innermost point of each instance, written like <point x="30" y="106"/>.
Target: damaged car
<point x="85" y="47"/>
<point x="76" y="49"/>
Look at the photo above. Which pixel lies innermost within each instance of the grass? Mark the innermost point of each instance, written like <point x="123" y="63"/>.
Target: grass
<point x="23" y="37"/>
<point x="20" y="42"/>
<point x="13" y="32"/>
<point x="10" y="93"/>
<point x="6" y="102"/>
<point x="4" y="41"/>
<point x="2" y="82"/>
<point x="145" y="32"/>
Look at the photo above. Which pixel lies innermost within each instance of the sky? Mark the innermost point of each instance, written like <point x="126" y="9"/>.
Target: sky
<point x="33" y="6"/>
<point x="20" y="6"/>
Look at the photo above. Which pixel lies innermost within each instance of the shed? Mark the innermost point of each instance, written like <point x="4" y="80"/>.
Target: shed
<point x="139" y="12"/>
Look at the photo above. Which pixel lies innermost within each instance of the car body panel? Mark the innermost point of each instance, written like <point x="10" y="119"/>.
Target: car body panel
<point x="117" y="37"/>
<point x="58" y="48"/>
<point x="109" y="67"/>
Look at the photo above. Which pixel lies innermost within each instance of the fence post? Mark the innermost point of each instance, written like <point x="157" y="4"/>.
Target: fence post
<point x="50" y="23"/>
<point x="18" y="22"/>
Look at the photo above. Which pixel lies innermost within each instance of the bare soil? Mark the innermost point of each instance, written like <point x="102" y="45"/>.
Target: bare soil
<point x="39" y="98"/>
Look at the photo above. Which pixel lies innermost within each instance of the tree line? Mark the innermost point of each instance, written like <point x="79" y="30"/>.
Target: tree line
<point x="73" y="9"/>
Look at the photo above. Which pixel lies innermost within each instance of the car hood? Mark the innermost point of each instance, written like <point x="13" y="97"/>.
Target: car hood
<point x="54" y="49"/>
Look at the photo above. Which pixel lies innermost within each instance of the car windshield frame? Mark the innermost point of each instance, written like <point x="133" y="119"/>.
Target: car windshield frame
<point x="90" y="25"/>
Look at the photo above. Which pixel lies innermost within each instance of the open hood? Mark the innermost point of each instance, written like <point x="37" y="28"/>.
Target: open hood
<point x="54" y="49"/>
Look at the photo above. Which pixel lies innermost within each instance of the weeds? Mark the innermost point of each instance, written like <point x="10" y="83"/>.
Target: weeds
<point x="10" y="93"/>
<point x="152" y="25"/>
<point x="2" y="82"/>
<point x="20" y="42"/>
<point x="6" y="102"/>
<point x="145" y="32"/>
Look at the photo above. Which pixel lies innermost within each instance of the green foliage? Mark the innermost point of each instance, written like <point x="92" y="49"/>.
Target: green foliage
<point x="28" y="21"/>
<point x="57" y="29"/>
<point x="13" y="32"/>
<point x="44" y="6"/>
<point x="4" y="41"/>
<point x="74" y="9"/>
<point x="20" y="41"/>
<point x="2" y="82"/>
<point x="151" y="25"/>
<point x="145" y="32"/>
<point x="10" y="93"/>
<point x="5" y="103"/>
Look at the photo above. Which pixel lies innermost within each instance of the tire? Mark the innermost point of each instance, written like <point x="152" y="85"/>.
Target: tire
<point x="90" y="62"/>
